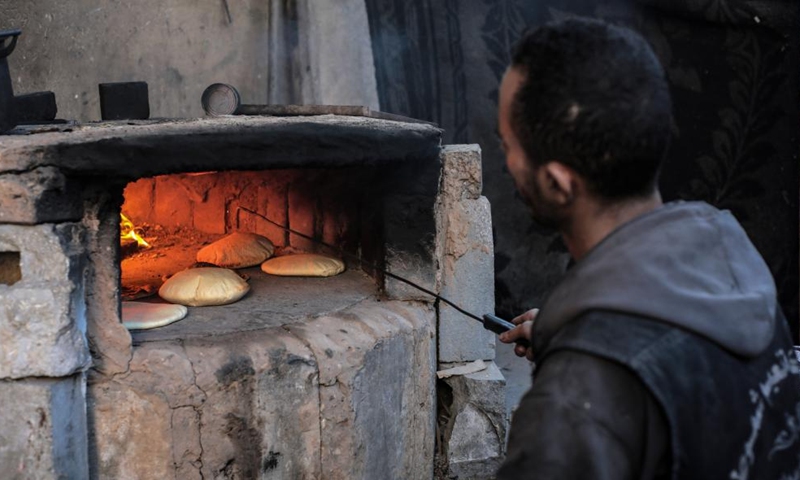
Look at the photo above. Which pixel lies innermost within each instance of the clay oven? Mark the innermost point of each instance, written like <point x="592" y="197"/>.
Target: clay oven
<point x="302" y="378"/>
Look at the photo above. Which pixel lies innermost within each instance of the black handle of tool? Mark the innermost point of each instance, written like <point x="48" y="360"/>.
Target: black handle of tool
<point x="497" y="325"/>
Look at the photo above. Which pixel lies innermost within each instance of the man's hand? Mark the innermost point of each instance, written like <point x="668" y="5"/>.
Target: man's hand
<point x="523" y="329"/>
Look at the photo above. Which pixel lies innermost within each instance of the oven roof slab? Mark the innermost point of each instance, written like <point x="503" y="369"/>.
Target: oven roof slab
<point x="133" y="149"/>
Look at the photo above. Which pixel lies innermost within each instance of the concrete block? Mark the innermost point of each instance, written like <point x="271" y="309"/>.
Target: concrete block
<point x="44" y="428"/>
<point x="467" y="278"/>
<point x="39" y="195"/>
<point x="43" y="322"/>
<point x="474" y="426"/>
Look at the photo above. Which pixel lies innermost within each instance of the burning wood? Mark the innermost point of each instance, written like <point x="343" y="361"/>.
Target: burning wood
<point x="128" y="234"/>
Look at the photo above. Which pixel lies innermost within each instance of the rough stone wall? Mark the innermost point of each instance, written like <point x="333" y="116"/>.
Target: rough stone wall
<point x="42" y="322"/>
<point x="43" y="351"/>
<point x="345" y="395"/>
<point x="472" y="418"/>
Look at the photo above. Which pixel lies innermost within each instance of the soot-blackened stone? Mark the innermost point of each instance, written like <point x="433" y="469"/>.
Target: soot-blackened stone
<point x="238" y="369"/>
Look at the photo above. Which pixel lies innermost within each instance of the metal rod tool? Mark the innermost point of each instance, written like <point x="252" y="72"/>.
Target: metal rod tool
<point x="223" y="99"/>
<point x="490" y="322"/>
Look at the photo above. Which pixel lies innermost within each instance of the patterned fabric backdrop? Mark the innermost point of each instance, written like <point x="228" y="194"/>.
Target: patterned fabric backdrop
<point x="733" y="67"/>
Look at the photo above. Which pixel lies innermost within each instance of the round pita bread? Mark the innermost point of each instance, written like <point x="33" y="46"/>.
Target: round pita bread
<point x="144" y="316"/>
<point x="237" y="250"/>
<point x="303" y="265"/>
<point x="200" y="287"/>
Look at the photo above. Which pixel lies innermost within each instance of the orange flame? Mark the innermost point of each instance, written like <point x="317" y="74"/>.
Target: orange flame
<point x="127" y="230"/>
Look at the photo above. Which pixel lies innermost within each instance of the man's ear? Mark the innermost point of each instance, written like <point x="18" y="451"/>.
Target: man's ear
<point x="560" y="183"/>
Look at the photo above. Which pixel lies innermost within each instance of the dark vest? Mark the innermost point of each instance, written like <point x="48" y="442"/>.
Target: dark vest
<point x="729" y="417"/>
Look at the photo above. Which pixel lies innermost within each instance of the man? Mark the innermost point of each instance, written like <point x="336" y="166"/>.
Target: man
<point x="662" y="353"/>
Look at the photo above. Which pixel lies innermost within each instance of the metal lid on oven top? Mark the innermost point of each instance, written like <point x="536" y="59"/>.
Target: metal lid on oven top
<point x="220" y="99"/>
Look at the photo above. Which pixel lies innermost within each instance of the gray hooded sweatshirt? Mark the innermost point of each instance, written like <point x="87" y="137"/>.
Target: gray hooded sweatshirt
<point x="687" y="264"/>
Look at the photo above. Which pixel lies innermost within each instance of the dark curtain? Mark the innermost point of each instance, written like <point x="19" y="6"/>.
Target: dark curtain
<point x="733" y="69"/>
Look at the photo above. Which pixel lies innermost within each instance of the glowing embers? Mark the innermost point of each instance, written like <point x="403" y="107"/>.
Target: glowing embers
<point x="128" y="234"/>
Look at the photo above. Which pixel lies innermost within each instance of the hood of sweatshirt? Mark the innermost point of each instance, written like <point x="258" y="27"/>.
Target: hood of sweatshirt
<point x="685" y="263"/>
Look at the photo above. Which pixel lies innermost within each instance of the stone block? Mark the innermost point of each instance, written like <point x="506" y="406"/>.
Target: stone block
<point x="40" y="195"/>
<point x="148" y="149"/>
<point x="467" y="279"/>
<point x="44" y="431"/>
<point x="347" y="395"/>
<point x="461" y="171"/>
<point x="473" y="429"/>
<point x="43" y="321"/>
<point x="466" y="249"/>
<point x="139" y="415"/>
<point x="376" y="390"/>
<point x="239" y="406"/>
<point x="131" y="432"/>
<point x="109" y="341"/>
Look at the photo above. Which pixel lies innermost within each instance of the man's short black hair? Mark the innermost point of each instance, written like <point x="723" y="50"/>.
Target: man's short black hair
<point x="594" y="98"/>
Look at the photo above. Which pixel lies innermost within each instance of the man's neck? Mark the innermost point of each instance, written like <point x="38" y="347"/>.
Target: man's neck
<point x="592" y="221"/>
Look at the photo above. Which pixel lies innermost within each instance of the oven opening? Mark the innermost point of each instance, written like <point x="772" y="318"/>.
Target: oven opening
<point x="166" y="220"/>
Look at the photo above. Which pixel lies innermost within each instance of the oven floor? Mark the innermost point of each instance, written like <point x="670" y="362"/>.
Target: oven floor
<point x="272" y="302"/>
